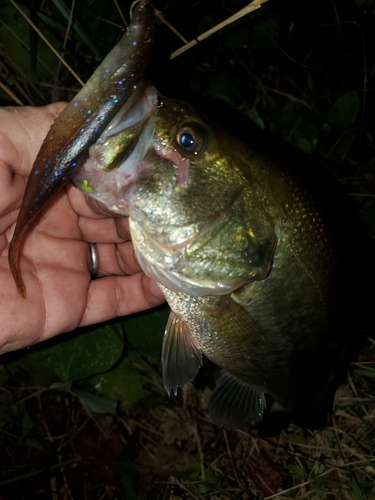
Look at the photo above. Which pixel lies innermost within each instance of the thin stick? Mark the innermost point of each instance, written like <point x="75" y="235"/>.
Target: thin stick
<point x="279" y="493"/>
<point x="66" y="38"/>
<point x="160" y="16"/>
<point x="10" y="94"/>
<point x="254" y="5"/>
<point x="47" y="42"/>
<point x="121" y="14"/>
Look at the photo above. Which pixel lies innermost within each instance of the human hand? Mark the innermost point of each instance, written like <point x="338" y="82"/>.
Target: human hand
<point x="55" y="254"/>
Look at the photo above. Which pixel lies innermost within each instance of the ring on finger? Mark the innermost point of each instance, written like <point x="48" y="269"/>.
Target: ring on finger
<point x="94" y="259"/>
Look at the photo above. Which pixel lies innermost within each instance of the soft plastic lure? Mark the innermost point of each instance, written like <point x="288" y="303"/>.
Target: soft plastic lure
<point x="65" y="147"/>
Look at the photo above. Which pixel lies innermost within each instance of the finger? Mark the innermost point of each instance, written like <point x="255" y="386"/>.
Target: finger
<point x="123" y="228"/>
<point x="100" y="209"/>
<point x="12" y="186"/>
<point x="127" y="259"/>
<point x="50" y="307"/>
<point x="20" y="323"/>
<point x="63" y="289"/>
<point x="87" y="206"/>
<point x="58" y="220"/>
<point x="20" y="140"/>
<point x="94" y="228"/>
<point x="80" y="202"/>
<point x="117" y="259"/>
<point x="116" y="296"/>
<point x="99" y="230"/>
<point x="26" y="128"/>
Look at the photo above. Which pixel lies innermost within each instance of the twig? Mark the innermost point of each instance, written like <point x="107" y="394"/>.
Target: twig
<point x="65" y="40"/>
<point x="10" y="94"/>
<point x="160" y="16"/>
<point x="120" y="12"/>
<point x="230" y="455"/>
<point x="254" y="5"/>
<point x="47" y="42"/>
<point x="279" y="493"/>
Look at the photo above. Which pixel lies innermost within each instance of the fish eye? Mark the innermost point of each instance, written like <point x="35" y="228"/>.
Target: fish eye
<point x="189" y="140"/>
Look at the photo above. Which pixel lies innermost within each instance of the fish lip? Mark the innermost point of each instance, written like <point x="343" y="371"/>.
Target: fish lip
<point x="113" y="186"/>
<point x="145" y="96"/>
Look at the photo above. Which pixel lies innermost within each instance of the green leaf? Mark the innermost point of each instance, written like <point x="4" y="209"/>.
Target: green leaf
<point x="14" y="38"/>
<point x="27" y="424"/>
<point x="40" y="373"/>
<point x="145" y="331"/>
<point x="52" y="23"/>
<point x="210" y="484"/>
<point x="10" y="415"/>
<point x="41" y="444"/>
<point x="221" y="88"/>
<point x="126" y="471"/>
<point x="296" y="438"/>
<point x="303" y="144"/>
<point x="128" y="488"/>
<point x="325" y="130"/>
<point x="85" y="354"/>
<point x="96" y="404"/>
<point x="298" y="472"/>
<point x="345" y="110"/>
<point x="356" y="489"/>
<point x="61" y="386"/>
<point x="4" y="375"/>
<point x="316" y="485"/>
<point x="122" y="384"/>
<point x="359" y="3"/>
<point x="128" y="476"/>
<point x="254" y="117"/>
<point x="365" y="372"/>
<point x="192" y="471"/>
<point x="77" y="27"/>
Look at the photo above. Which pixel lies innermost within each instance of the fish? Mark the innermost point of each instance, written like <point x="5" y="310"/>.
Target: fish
<point x="252" y="263"/>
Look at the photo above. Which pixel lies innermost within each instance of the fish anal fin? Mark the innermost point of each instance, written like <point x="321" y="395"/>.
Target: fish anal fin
<point x="235" y="404"/>
<point x="181" y="357"/>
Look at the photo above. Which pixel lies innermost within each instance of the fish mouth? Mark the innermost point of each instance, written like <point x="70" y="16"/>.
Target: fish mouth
<point x="118" y="161"/>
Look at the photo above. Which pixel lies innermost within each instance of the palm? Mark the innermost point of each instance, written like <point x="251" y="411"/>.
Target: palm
<point x="54" y="257"/>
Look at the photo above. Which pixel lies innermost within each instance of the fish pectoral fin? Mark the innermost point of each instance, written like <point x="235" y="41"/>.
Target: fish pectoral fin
<point x="181" y="357"/>
<point x="235" y="404"/>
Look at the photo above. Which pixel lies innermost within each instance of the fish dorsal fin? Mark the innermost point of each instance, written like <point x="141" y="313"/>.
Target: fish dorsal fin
<point x="235" y="404"/>
<point x="181" y="357"/>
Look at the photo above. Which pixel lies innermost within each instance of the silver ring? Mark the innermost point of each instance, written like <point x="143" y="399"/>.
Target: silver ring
<point x="94" y="257"/>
